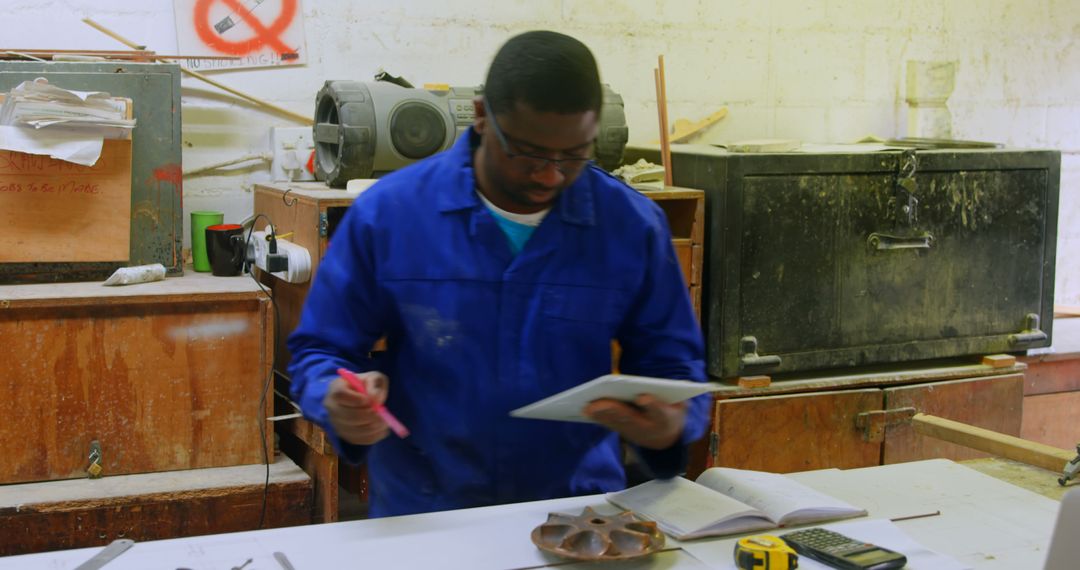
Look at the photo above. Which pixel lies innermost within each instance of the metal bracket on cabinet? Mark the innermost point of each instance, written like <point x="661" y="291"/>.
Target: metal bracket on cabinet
<point x="1031" y="333"/>
<point x="880" y="242"/>
<point x="324" y="224"/>
<point x="906" y="201"/>
<point x="873" y="423"/>
<point x="748" y="346"/>
<point x="95" y="468"/>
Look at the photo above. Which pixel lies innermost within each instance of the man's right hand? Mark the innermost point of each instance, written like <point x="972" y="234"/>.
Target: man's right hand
<point x="353" y="414"/>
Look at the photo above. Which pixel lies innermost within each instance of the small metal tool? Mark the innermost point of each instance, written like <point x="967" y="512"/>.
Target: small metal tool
<point x="284" y="561"/>
<point x="1071" y="469"/>
<point x="107" y="554"/>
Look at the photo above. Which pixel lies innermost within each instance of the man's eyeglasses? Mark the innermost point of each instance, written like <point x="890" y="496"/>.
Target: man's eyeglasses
<point x="536" y="163"/>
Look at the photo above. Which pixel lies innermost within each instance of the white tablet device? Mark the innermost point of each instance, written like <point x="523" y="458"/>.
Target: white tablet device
<point x="567" y="405"/>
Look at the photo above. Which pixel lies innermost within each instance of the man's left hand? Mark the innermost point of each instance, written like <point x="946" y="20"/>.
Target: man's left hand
<point x="648" y="422"/>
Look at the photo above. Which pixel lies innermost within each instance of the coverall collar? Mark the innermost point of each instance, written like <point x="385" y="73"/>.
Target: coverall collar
<point x="574" y="205"/>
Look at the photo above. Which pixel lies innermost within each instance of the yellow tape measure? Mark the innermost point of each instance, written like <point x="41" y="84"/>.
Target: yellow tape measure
<point x="764" y="552"/>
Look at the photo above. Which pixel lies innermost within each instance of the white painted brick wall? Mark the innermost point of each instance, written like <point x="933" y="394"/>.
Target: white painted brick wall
<point x="820" y="70"/>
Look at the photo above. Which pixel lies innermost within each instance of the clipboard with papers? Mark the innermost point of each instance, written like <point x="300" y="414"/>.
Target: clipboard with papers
<point x="566" y="406"/>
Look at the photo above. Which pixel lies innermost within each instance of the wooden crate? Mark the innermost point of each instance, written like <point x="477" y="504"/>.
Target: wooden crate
<point x="36" y="517"/>
<point x="310" y="211"/>
<point x="163" y="376"/>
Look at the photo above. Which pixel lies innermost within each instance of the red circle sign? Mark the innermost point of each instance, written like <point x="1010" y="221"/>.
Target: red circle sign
<point x="264" y="35"/>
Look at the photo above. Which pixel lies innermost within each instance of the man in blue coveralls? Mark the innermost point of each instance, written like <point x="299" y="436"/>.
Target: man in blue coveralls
<point x="499" y="272"/>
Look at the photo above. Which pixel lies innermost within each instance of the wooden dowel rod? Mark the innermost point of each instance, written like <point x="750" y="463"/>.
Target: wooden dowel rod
<point x="113" y="34"/>
<point x="295" y="116"/>
<point x="292" y="115"/>
<point x="1002" y="445"/>
<point x="665" y="135"/>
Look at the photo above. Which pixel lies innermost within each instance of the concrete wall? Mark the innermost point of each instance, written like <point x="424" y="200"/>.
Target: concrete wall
<point x="816" y="70"/>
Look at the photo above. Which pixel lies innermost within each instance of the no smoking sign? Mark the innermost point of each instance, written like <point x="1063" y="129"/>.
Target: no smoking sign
<point x="261" y="33"/>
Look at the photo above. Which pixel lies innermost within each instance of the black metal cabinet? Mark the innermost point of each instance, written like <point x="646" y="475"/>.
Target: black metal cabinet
<point x="157" y="220"/>
<point x="832" y="260"/>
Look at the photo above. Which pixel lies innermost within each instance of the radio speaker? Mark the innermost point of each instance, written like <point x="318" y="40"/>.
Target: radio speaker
<point x="367" y="129"/>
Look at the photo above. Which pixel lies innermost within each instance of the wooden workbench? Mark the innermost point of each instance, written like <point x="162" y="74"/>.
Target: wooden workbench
<point x="983" y="523"/>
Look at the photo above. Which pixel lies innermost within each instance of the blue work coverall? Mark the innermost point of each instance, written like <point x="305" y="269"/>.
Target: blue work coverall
<point x="474" y="332"/>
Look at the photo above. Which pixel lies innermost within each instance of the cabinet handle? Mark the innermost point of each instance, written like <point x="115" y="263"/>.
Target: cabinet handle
<point x="750" y="357"/>
<point x="1031" y="333"/>
<point x="880" y="242"/>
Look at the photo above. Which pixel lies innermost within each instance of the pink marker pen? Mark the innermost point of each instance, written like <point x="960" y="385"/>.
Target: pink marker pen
<point x="358" y="385"/>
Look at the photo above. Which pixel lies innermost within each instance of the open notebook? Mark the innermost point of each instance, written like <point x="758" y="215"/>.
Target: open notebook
<point x="730" y="501"/>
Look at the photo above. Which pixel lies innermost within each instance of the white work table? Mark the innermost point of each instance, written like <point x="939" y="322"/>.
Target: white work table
<point x="984" y="523"/>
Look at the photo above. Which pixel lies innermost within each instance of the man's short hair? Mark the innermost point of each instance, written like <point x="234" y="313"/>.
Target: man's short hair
<point x="548" y="71"/>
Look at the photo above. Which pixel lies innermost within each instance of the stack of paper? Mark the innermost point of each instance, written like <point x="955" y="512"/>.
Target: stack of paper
<point x="39" y="118"/>
<point x="39" y="104"/>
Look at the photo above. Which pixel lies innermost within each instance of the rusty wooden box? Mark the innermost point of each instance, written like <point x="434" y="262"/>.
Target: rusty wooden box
<point x="159" y="376"/>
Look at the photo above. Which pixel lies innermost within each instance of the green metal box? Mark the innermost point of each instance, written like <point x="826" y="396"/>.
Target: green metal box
<point x="157" y="214"/>
<point x="834" y="260"/>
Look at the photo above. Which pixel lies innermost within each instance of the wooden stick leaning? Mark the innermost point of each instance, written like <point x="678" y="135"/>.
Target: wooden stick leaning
<point x="661" y="103"/>
<point x="135" y="55"/>
<point x="113" y="35"/>
<point x="281" y="110"/>
<point x="1003" y="445"/>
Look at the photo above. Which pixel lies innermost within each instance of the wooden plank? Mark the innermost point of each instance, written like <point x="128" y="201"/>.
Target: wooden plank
<point x="673" y="193"/>
<point x="38" y="517"/>
<point x="795" y="433"/>
<point x="57" y="211"/>
<point x="999" y="360"/>
<point x="754" y="381"/>
<point x="161" y="386"/>
<point x="999" y="444"/>
<point x="994" y="403"/>
<point x="1051" y="419"/>
<point x="191" y="286"/>
<point x="1066" y="311"/>
<point x="877" y="376"/>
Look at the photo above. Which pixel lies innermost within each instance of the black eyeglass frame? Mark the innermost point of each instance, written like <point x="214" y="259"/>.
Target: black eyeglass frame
<point x="537" y="162"/>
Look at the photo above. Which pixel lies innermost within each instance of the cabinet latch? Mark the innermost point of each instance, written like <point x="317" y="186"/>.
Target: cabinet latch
<point x="749" y="357"/>
<point x="1031" y="333"/>
<point x="324" y="224"/>
<point x="873" y="423"/>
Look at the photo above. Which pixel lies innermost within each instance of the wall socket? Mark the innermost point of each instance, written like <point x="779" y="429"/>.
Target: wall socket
<point x="292" y="148"/>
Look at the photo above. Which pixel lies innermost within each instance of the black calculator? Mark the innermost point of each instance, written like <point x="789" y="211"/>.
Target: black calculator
<point x="839" y="551"/>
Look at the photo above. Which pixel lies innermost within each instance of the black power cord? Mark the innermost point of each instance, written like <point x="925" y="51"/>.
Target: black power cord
<point x="270" y="376"/>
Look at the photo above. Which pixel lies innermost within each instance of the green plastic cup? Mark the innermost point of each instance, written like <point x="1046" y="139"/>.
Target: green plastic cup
<point x="199" y="223"/>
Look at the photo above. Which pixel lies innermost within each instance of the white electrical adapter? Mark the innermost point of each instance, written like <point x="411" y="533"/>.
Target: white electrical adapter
<point x="299" y="260"/>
